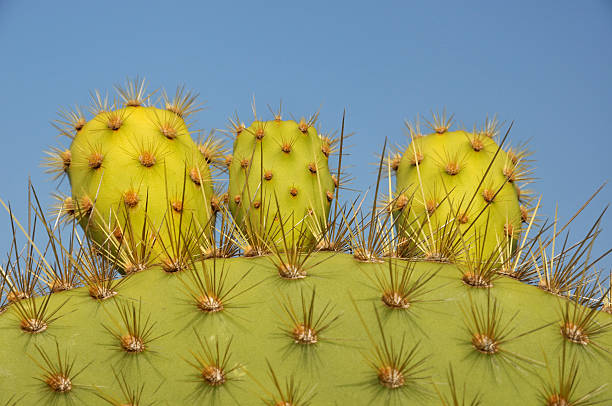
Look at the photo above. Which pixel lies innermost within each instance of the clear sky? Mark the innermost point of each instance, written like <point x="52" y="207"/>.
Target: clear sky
<point x="547" y="65"/>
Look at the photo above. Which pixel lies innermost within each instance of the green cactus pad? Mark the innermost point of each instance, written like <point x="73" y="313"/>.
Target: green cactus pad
<point x="279" y="171"/>
<point x="137" y="162"/>
<point x="461" y="183"/>
<point x="193" y="348"/>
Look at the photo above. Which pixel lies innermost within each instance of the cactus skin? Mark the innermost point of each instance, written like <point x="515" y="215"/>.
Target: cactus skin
<point x="294" y="159"/>
<point x="454" y="163"/>
<point x="136" y="157"/>
<point x="261" y="331"/>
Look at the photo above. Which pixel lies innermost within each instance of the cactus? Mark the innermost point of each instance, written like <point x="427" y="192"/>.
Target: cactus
<point x="460" y="183"/>
<point x="131" y="164"/>
<point x="280" y="182"/>
<point x="405" y="330"/>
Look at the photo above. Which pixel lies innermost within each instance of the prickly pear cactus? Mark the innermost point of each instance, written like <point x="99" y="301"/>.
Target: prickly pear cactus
<point x="279" y="174"/>
<point x="462" y="181"/>
<point x="131" y="166"/>
<point x="340" y="328"/>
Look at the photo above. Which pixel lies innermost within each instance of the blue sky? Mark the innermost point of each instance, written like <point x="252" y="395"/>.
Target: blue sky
<point x="547" y="65"/>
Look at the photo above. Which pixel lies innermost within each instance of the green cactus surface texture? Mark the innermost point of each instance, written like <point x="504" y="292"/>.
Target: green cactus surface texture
<point x="279" y="174"/>
<point x="350" y="333"/>
<point x="269" y="291"/>
<point x="462" y="180"/>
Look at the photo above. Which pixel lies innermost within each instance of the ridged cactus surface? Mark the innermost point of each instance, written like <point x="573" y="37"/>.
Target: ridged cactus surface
<point x="350" y="333"/>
